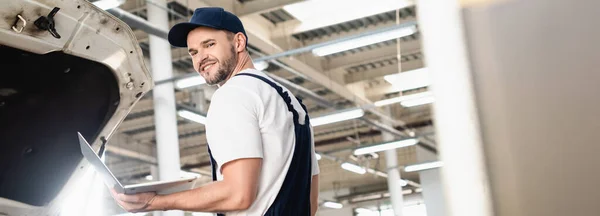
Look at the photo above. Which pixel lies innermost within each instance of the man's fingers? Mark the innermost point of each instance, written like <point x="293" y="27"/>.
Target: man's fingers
<point x="130" y="198"/>
<point x="131" y="207"/>
<point x="134" y="202"/>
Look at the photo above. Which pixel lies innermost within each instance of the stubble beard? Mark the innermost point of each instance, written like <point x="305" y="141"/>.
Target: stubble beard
<point x="225" y="69"/>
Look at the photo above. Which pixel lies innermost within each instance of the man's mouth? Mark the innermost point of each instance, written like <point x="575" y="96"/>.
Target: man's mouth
<point x="207" y="66"/>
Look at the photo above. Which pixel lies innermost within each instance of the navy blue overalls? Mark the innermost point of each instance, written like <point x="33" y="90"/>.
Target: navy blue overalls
<point x="294" y="196"/>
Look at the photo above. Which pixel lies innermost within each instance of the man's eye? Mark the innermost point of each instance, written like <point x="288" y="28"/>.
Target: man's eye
<point x="210" y="44"/>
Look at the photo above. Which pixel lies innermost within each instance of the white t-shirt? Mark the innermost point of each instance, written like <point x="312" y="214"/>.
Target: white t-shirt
<point x="248" y="119"/>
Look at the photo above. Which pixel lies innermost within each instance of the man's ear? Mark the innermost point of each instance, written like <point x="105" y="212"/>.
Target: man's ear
<point x="240" y="41"/>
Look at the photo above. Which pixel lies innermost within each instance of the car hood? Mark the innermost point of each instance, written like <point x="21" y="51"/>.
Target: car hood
<point x="87" y="80"/>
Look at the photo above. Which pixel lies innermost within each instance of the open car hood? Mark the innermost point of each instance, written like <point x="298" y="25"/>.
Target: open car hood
<point x="86" y="81"/>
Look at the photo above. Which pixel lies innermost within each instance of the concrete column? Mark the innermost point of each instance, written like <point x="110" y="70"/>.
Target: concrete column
<point x="165" y="117"/>
<point x="431" y="183"/>
<point x="393" y="180"/>
<point x="154" y="172"/>
<point x="198" y="98"/>
<point x="464" y="175"/>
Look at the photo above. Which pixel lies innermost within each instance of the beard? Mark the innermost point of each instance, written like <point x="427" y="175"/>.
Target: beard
<point x="225" y="69"/>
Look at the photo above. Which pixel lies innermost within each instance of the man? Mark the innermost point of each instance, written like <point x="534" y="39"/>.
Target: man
<point x="259" y="136"/>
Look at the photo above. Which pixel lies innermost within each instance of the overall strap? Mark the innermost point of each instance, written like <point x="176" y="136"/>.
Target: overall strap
<point x="293" y="198"/>
<point x="279" y="89"/>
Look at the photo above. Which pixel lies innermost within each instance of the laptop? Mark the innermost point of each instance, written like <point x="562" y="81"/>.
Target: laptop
<point x="160" y="187"/>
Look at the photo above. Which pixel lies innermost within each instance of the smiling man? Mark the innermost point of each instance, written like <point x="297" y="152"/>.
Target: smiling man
<point x="259" y="135"/>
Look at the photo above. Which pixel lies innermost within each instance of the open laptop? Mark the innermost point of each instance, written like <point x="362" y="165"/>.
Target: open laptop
<point x="160" y="187"/>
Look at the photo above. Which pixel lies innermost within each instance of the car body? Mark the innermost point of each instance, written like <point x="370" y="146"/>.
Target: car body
<point x="87" y="80"/>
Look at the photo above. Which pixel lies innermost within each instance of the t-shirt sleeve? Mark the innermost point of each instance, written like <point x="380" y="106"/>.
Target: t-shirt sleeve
<point x="315" y="162"/>
<point x="232" y="127"/>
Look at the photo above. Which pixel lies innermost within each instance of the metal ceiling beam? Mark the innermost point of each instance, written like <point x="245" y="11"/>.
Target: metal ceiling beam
<point x="372" y="55"/>
<point x="326" y="43"/>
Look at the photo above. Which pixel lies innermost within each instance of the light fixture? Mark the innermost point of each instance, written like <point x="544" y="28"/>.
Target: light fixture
<point x="108" y="4"/>
<point x="423" y="166"/>
<point x="192" y="116"/>
<point x="408" y="80"/>
<point x="374" y="155"/>
<point x="189" y="82"/>
<point x="337" y="117"/>
<point x="363" y="211"/>
<point x="418" y="101"/>
<point x="385" y="146"/>
<point x="261" y="65"/>
<point x="379" y="173"/>
<point x="364" y="40"/>
<point x="316" y="13"/>
<point x="333" y="205"/>
<point x="318" y="156"/>
<point x="402" y="98"/>
<point x="149" y="177"/>
<point x="403" y="182"/>
<point x="354" y="168"/>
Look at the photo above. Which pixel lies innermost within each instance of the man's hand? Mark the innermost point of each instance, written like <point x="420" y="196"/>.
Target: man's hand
<point x="135" y="202"/>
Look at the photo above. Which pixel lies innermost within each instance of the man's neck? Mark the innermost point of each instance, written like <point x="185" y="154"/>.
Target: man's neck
<point x="244" y="62"/>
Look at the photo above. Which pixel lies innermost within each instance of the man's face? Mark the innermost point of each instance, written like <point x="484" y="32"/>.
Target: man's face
<point x="213" y="54"/>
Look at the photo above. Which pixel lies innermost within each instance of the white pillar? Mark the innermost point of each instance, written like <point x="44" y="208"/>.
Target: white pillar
<point x="464" y="175"/>
<point x="431" y="183"/>
<point x="393" y="180"/>
<point x="165" y="117"/>
<point x="198" y="98"/>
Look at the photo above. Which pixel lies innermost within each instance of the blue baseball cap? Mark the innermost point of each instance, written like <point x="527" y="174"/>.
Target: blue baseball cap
<point x="213" y="17"/>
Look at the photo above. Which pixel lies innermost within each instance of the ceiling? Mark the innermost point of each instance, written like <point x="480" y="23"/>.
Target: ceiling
<point x="346" y="79"/>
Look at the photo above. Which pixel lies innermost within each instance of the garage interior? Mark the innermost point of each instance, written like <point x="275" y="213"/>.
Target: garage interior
<point x="328" y="84"/>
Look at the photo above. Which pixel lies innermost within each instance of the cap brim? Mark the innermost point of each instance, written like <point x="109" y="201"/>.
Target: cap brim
<point x="178" y="34"/>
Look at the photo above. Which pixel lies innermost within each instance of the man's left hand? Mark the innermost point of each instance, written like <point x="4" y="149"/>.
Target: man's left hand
<point x="134" y="202"/>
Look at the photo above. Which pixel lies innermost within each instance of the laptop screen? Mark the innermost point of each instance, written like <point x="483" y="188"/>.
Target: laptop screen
<point x="88" y="153"/>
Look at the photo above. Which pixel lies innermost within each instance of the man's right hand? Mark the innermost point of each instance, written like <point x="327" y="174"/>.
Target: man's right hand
<point x="134" y="202"/>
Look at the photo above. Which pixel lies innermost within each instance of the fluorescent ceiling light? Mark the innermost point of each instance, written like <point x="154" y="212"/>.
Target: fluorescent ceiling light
<point x="404" y="192"/>
<point x="374" y="155"/>
<point x="261" y="65"/>
<point x="108" y="4"/>
<point x="402" y="98"/>
<point x="409" y="80"/>
<point x="418" y="101"/>
<point x="385" y="146"/>
<point x="403" y="182"/>
<point x="364" y="41"/>
<point x="337" y="117"/>
<point x="363" y="211"/>
<point x="423" y="166"/>
<point x="354" y="168"/>
<point x="318" y="156"/>
<point x="189" y="82"/>
<point x="192" y="116"/>
<point x="319" y="13"/>
<point x="379" y="173"/>
<point x="333" y="205"/>
<point x="149" y="178"/>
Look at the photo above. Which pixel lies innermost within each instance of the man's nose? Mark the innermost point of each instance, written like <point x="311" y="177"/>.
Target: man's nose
<point x="199" y="58"/>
